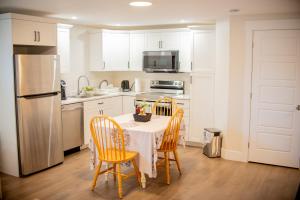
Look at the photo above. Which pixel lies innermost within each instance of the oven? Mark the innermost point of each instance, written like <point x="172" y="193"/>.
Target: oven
<point x="161" y="61"/>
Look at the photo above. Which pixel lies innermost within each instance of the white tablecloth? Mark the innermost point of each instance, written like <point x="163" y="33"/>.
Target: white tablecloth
<point x="142" y="137"/>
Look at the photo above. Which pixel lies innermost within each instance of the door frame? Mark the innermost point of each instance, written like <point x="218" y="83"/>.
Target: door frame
<point x="250" y="27"/>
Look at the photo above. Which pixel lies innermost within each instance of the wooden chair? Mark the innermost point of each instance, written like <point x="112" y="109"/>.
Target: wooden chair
<point x="109" y="139"/>
<point x="164" y="106"/>
<point x="169" y="142"/>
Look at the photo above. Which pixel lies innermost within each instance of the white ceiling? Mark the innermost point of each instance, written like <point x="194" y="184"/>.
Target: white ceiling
<point x="117" y="12"/>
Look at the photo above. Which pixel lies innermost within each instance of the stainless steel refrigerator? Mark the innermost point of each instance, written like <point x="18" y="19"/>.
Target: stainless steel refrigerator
<point x="38" y="99"/>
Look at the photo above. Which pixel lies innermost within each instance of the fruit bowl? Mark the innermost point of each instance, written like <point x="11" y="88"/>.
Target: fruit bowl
<point x="142" y="118"/>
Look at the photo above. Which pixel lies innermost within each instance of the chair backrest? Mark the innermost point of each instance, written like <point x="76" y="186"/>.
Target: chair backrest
<point x="171" y="134"/>
<point x="164" y="106"/>
<point x="108" y="137"/>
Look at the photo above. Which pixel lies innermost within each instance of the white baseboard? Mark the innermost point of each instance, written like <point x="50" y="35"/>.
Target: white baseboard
<point x="233" y="155"/>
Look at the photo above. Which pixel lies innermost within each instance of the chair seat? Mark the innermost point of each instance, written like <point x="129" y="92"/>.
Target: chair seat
<point x="114" y="156"/>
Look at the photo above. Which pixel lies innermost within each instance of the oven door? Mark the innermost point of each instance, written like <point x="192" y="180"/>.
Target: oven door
<point x="160" y="61"/>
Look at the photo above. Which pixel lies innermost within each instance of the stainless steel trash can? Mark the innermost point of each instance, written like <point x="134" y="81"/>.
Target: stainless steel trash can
<point x="212" y="142"/>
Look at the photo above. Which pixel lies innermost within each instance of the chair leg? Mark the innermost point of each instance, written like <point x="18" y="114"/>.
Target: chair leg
<point x="137" y="172"/>
<point x="177" y="161"/>
<point x="96" y="175"/>
<point x="119" y="180"/>
<point x="115" y="175"/>
<point x="167" y="167"/>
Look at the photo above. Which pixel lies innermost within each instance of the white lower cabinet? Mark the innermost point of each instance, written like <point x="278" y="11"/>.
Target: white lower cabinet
<point x="202" y="105"/>
<point x="111" y="106"/>
<point x="128" y="104"/>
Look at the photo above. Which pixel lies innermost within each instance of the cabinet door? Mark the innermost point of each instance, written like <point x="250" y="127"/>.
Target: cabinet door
<point x="137" y="46"/>
<point x="153" y="41"/>
<point x="116" y="51"/>
<point x="170" y="40"/>
<point x="24" y="32"/>
<point x="96" y="52"/>
<point x="201" y="105"/>
<point x="185" y="52"/>
<point x="128" y="104"/>
<point x="112" y="106"/>
<point x="204" y="43"/>
<point x="91" y="110"/>
<point x="63" y="49"/>
<point x="34" y="33"/>
<point x="47" y="34"/>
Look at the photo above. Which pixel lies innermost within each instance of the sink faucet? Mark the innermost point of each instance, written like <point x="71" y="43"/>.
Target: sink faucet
<point x="79" y="78"/>
<point x="100" y="84"/>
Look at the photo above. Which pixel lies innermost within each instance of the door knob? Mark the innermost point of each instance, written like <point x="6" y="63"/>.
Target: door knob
<point x="298" y="107"/>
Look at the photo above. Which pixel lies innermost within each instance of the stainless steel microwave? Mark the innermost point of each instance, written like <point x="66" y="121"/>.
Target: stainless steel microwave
<point x="161" y="61"/>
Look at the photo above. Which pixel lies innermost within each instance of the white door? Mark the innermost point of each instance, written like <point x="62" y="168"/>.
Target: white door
<point x="275" y="121"/>
<point x="116" y="50"/>
<point x="137" y="46"/>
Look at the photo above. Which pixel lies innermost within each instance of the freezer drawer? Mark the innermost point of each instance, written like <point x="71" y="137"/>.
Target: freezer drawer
<point x="72" y="123"/>
<point x="37" y="74"/>
<point x="40" y="132"/>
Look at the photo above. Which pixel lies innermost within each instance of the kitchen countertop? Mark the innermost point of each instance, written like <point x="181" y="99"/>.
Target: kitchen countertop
<point x="71" y="100"/>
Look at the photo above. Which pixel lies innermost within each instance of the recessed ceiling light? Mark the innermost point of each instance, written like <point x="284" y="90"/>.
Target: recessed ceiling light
<point x="74" y="17"/>
<point x="118" y="25"/>
<point x="140" y="3"/>
<point x="182" y="21"/>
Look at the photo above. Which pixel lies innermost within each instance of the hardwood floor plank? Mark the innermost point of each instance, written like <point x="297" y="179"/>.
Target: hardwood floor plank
<point x="201" y="178"/>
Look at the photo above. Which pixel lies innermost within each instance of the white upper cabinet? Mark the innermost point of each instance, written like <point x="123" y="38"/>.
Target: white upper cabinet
<point x="185" y="51"/>
<point x="34" y="33"/>
<point x="163" y="40"/>
<point x="137" y="46"/>
<point x="116" y="50"/>
<point x="63" y="46"/>
<point x="204" y="44"/>
<point x="96" y="62"/>
<point x="170" y="40"/>
<point x="153" y="41"/>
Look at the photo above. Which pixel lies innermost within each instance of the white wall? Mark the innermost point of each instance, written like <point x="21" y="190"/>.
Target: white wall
<point x="234" y="137"/>
<point x="8" y="137"/>
<point x="221" y="76"/>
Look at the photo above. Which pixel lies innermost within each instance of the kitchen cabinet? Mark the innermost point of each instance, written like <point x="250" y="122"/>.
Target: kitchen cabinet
<point x="204" y="43"/>
<point x="137" y="46"/>
<point x="128" y="104"/>
<point x="163" y="40"/>
<point x="116" y="50"/>
<point x="96" y="62"/>
<point x="202" y="104"/>
<point x="63" y="46"/>
<point x="111" y="106"/>
<point x="185" y="51"/>
<point x="34" y="33"/>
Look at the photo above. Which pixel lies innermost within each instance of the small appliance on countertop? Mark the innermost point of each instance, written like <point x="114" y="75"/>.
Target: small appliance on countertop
<point x="125" y="86"/>
<point x="63" y="86"/>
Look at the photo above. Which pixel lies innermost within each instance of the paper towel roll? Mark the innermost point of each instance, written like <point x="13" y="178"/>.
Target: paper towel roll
<point x="137" y="85"/>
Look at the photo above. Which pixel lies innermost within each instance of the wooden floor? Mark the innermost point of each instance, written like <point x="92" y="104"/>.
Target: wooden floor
<point x="202" y="178"/>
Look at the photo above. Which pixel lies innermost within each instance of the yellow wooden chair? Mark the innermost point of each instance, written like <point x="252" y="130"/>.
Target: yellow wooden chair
<point x="164" y="106"/>
<point x="170" y="140"/>
<point x="109" y="139"/>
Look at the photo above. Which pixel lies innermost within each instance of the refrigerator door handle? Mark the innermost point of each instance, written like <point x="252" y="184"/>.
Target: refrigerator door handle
<point x="41" y="95"/>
